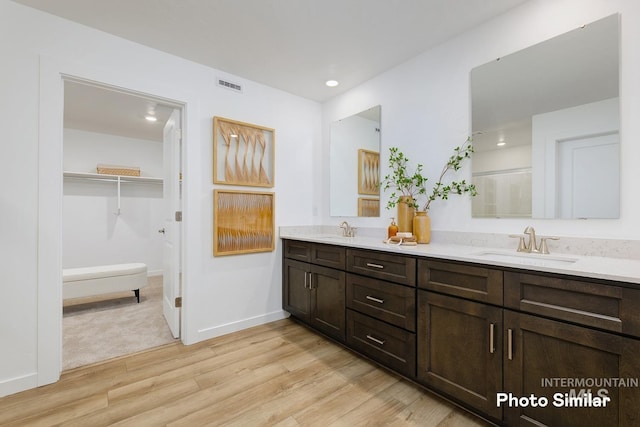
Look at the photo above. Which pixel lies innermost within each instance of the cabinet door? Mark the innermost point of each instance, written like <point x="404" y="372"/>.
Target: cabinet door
<point x="328" y="300"/>
<point x="545" y="353"/>
<point x="295" y="289"/>
<point x="460" y="350"/>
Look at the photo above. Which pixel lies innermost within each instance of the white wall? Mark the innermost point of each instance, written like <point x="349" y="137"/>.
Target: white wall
<point x="221" y="294"/>
<point x="92" y="233"/>
<point x="426" y="110"/>
<point x="518" y="157"/>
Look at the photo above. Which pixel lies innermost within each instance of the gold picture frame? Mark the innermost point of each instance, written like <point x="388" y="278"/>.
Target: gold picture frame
<point x="243" y="222"/>
<point x="368" y="172"/>
<point x="368" y="206"/>
<point x="243" y="154"/>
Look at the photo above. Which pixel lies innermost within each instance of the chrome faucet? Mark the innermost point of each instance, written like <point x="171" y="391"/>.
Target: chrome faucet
<point x="347" y="230"/>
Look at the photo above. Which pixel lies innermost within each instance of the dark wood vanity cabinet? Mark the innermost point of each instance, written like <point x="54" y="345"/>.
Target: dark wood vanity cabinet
<point x="484" y="331"/>
<point x="567" y="328"/>
<point x="540" y="353"/>
<point x="472" y="332"/>
<point x="460" y="341"/>
<point x="312" y="292"/>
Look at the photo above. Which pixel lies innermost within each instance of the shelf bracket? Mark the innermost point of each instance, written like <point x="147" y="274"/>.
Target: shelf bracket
<point x="117" y="212"/>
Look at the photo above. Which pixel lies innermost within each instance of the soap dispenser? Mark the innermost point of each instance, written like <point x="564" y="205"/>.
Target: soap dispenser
<point x="393" y="229"/>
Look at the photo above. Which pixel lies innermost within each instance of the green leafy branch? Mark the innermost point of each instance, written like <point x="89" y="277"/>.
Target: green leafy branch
<point x="442" y="191"/>
<point x="401" y="182"/>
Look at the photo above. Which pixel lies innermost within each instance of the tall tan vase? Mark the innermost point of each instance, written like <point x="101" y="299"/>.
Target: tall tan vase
<point x="422" y="227"/>
<point x="405" y="214"/>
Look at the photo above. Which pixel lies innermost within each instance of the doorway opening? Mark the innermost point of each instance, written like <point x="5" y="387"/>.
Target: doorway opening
<point x="122" y="162"/>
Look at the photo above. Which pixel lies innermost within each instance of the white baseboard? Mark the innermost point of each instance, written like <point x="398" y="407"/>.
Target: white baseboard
<point x="18" y="384"/>
<point x="227" y="328"/>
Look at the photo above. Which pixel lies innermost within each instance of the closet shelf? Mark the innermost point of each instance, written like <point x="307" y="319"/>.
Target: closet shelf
<point x="117" y="179"/>
<point x="112" y="178"/>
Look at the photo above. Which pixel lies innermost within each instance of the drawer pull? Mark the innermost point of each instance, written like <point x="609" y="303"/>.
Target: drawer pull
<point x="374" y="299"/>
<point x="375" y="340"/>
<point x="510" y="343"/>
<point x="370" y="264"/>
<point x="492" y="342"/>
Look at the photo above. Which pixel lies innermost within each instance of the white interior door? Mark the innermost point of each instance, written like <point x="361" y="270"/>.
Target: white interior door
<point x="172" y="230"/>
<point x="588" y="182"/>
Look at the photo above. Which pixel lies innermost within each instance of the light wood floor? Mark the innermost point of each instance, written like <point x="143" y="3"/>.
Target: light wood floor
<point x="276" y="374"/>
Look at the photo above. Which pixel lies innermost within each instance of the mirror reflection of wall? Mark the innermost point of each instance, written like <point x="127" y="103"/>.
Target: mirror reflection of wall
<point x="355" y="165"/>
<point x="545" y="124"/>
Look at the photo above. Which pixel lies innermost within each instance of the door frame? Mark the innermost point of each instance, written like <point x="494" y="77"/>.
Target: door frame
<point x="53" y="74"/>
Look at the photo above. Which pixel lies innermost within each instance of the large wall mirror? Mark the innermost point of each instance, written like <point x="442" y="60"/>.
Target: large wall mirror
<point x="545" y="125"/>
<point x="354" y="165"/>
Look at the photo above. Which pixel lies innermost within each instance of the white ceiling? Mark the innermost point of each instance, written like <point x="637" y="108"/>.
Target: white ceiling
<point x="293" y="45"/>
<point x="97" y="109"/>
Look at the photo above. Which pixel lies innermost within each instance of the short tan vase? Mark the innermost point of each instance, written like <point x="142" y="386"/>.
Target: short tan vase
<point x="422" y="227"/>
<point x="405" y="214"/>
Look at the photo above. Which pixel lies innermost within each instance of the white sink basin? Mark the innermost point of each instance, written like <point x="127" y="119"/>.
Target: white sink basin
<point x="527" y="258"/>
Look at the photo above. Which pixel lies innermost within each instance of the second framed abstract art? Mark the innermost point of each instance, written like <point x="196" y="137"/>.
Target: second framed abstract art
<point x="244" y="222"/>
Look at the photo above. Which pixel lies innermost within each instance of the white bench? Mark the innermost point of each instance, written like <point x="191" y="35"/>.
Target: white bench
<point x="104" y="279"/>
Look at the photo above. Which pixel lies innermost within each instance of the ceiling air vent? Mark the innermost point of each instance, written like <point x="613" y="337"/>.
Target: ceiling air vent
<point x="228" y="85"/>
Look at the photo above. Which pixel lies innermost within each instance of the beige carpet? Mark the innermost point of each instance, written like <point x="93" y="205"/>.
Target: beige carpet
<point x="101" y="328"/>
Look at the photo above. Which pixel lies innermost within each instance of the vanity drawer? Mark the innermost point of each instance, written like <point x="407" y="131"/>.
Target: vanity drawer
<point x="461" y="280"/>
<point x="395" y="304"/>
<point x="296" y="249"/>
<point x="329" y="256"/>
<point x="394" y="268"/>
<point x="608" y="307"/>
<point x="316" y="253"/>
<point x="389" y="345"/>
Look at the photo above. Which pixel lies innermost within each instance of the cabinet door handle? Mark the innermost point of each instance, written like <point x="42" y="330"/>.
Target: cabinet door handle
<point x="375" y="340"/>
<point x="374" y="299"/>
<point x="370" y="264"/>
<point x="492" y="342"/>
<point x="510" y="343"/>
<point x="305" y="279"/>
<point x="310" y="281"/>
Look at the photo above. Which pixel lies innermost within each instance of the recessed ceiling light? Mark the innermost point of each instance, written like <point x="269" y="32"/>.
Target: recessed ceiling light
<point x="332" y="83"/>
<point x="151" y="118"/>
<point x="501" y="143"/>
